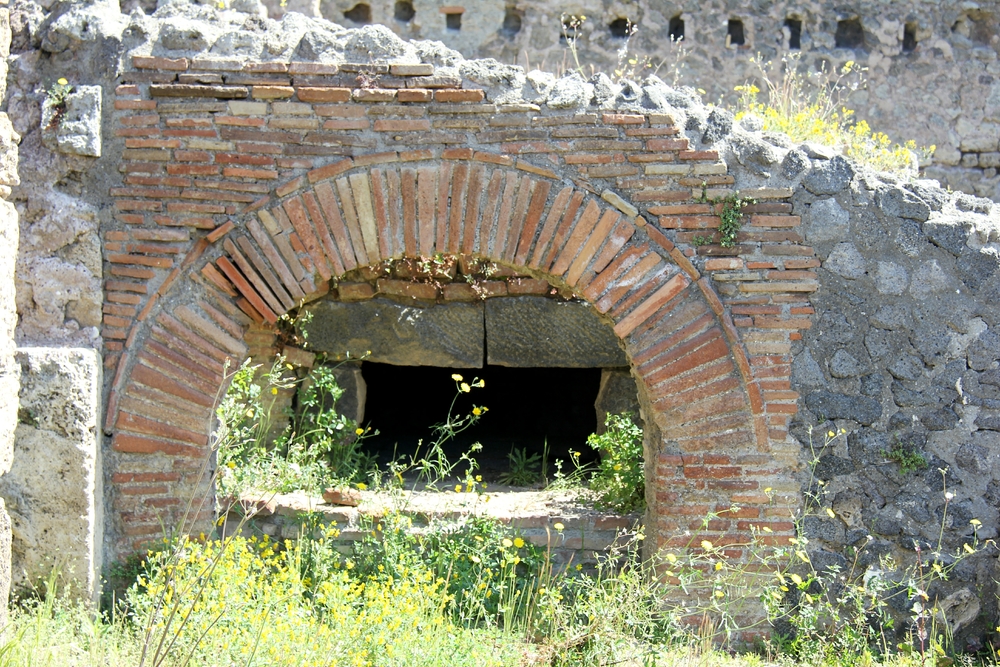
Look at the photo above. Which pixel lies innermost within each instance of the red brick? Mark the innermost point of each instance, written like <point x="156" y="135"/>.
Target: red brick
<point x="134" y="444"/>
<point x="152" y="62"/>
<point x="328" y="95"/>
<point x="272" y="92"/>
<point x="402" y="125"/>
<point x="452" y="95"/>
<point x="414" y="95"/>
<point x="670" y="145"/>
<point x="407" y="289"/>
<point x="699" y="155"/>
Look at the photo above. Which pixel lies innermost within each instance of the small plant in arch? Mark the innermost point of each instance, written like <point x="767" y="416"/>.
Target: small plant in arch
<point x="730" y="209"/>
<point x="620" y="479"/>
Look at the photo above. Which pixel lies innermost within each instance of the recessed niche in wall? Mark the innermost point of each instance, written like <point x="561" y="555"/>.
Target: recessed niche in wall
<point x="620" y="28"/>
<point x="404" y="11"/>
<point x="527" y="408"/>
<point x="676" y="28"/>
<point x="909" y="37"/>
<point x="794" y="33"/>
<point x="359" y="13"/>
<point x="734" y="33"/>
<point x="850" y="34"/>
<point x="453" y="17"/>
<point x="511" y="23"/>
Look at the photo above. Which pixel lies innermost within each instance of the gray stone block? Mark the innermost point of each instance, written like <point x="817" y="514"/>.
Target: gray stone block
<point x="948" y="233"/>
<point x="900" y="203"/>
<point x="826" y="221"/>
<point x="617" y="394"/>
<point x="449" y="335"/>
<point x="829" y="177"/>
<point x="53" y="491"/>
<point x="861" y="409"/>
<point x="530" y="332"/>
<point x="846" y="261"/>
<point x="74" y="127"/>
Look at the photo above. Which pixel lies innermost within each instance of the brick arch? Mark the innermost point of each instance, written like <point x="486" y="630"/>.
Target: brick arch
<point x="287" y="247"/>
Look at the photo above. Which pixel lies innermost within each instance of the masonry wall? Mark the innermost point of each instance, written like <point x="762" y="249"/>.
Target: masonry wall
<point x="9" y="368"/>
<point x="232" y="211"/>
<point x="242" y="176"/>
<point x="931" y="66"/>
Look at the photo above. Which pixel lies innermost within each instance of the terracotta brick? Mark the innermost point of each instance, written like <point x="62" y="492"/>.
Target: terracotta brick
<point x="644" y="311"/>
<point x="414" y="95"/>
<point x="419" y="125"/>
<point x="355" y="291"/>
<point x="519" y="286"/>
<point x="134" y="444"/>
<point x="407" y="289"/>
<point x="373" y="95"/>
<point x="151" y="62"/>
<point x="408" y="189"/>
<point x="447" y="95"/>
<point x="323" y="95"/>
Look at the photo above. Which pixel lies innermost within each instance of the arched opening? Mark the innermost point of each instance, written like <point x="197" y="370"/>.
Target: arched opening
<point x="359" y="13"/>
<point x="676" y="28"/>
<point x="621" y="28"/>
<point x="511" y="22"/>
<point x="404" y="11"/>
<point x="794" y="27"/>
<point x="850" y="34"/>
<point x="734" y="33"/>
<point x="909" y="37"/>
<point x="318" y="235"/>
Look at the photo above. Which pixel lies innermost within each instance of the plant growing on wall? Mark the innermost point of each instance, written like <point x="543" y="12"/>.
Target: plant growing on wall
<point x="55" y="99"/>
<point x="730" y="210"/>
<point x="620" y="479"/>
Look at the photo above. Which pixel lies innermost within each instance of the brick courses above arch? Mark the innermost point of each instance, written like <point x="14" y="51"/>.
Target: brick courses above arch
<point x="233" y="213"/>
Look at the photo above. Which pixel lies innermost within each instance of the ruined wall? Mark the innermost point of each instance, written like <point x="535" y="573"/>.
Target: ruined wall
<point x="236" y="149"/>
<point x="932" y="66"/>
<point x="9" y="368"/>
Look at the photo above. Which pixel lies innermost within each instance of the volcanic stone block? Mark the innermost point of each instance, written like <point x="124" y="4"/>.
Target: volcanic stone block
<point x="617" y="395"/>
<point x="532" y="332"/>
<point x="449" y="335"/>
<point x="53" y="491"/>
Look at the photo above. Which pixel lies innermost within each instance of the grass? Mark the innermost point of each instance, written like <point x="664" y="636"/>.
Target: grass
<point x="473" y="592"/>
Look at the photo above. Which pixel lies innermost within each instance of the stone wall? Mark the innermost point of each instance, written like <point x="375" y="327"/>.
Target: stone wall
<point x="932" y="66"/>
<point x="54" y="488"/>
<point x="247" y="166"/>
<point x="9" y="368"/>
<point x="587" y="535"/>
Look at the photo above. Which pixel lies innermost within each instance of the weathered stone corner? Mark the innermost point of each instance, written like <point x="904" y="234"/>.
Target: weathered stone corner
<point x="73" y="125"/>
<point x="55" y="486"/>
